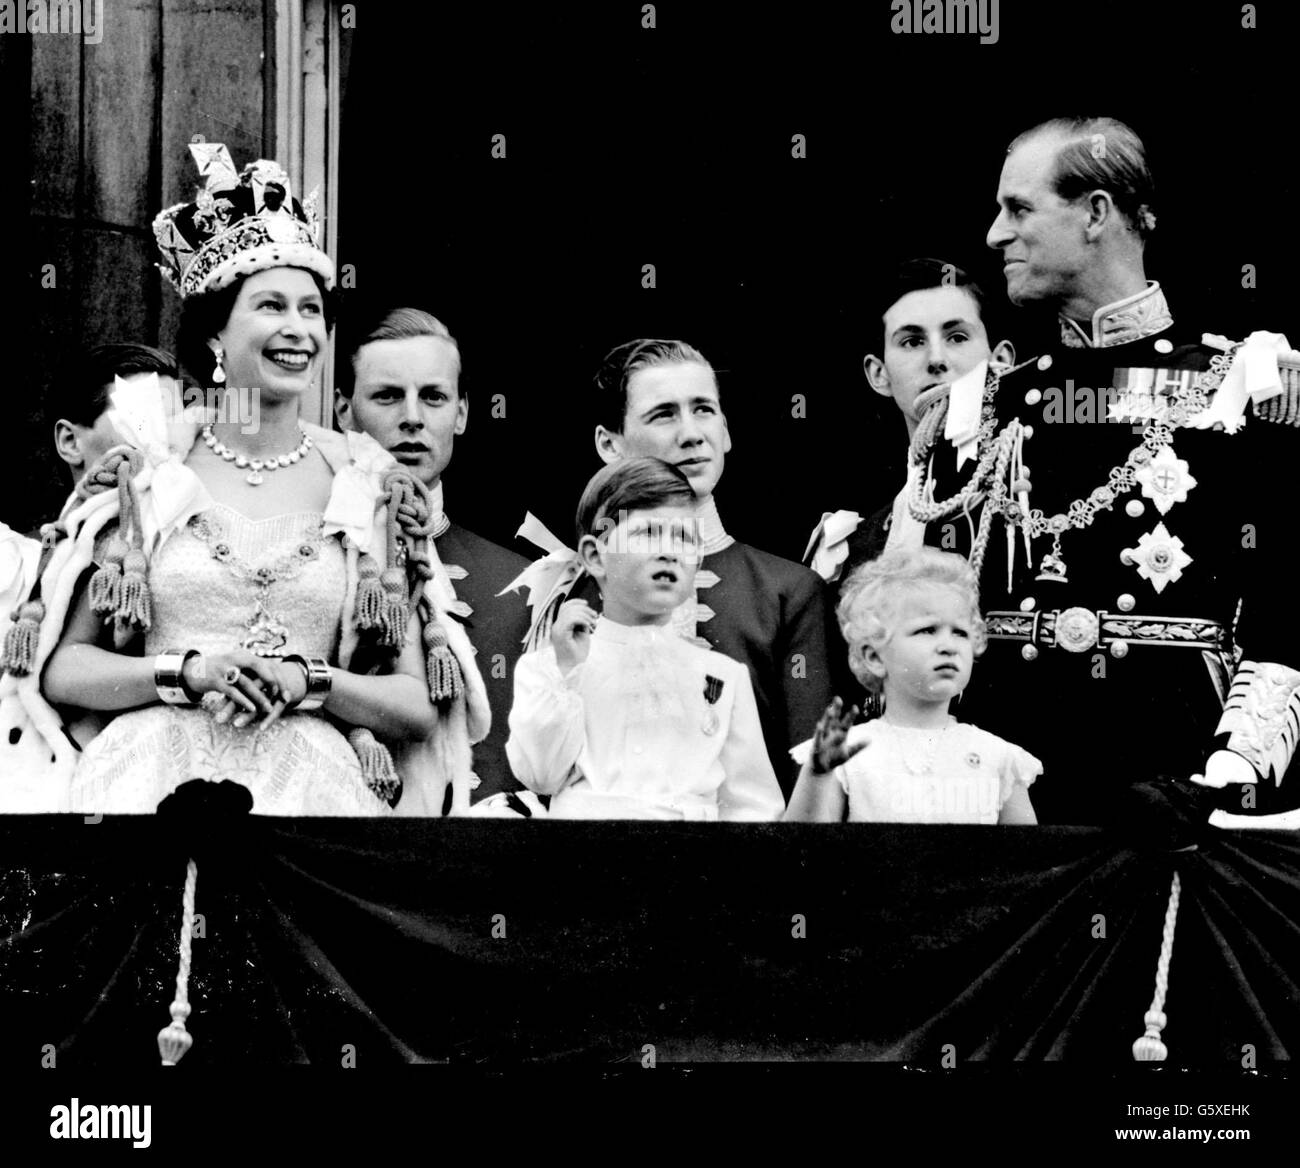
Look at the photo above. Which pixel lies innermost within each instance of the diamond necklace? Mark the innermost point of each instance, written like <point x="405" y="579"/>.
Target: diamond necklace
<point x="256" y="465"/>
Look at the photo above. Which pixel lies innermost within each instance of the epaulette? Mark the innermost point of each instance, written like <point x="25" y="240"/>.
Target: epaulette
<point x="1283" y="409"/>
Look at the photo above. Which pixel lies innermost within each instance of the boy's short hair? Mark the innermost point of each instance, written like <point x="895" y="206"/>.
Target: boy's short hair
<point x="81" y="393"/>
<point x="398" y="324"/>
<point x="622" y="362"/>
<point x="869" y="600"/>
<point x="631" y="484"/>
<point x="920" y="275"/>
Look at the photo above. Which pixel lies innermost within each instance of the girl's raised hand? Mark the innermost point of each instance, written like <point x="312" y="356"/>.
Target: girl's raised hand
<point x="830" y="749"/>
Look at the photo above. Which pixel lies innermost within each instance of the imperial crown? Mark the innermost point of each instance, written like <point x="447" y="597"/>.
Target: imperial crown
<point x="240" y="223"/>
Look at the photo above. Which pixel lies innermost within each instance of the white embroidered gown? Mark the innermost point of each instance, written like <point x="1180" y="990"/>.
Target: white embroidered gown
<point x="907" y="775"/>
<point x="207" y="580"/>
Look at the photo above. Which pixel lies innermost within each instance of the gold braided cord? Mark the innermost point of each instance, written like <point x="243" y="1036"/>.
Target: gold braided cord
<point x="1150" y="1047"/>
<point x="1158" y="434"/>
<point x="173" y="1039"/>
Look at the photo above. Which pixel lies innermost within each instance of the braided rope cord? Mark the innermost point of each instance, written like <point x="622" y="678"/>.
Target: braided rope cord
<point x="1150" y="1048"/>
<point x="174" y="1040"/>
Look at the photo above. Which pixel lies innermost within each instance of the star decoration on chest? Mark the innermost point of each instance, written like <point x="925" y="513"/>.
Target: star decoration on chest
<point x="1159" y="557"/>
<point x="1165" y="480"/>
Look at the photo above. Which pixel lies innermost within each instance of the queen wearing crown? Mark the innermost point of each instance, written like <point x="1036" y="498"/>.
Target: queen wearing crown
<point x="242" y="589"/>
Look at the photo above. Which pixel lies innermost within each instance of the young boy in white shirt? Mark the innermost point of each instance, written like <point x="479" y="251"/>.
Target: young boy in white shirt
<point x="619" y="717"/>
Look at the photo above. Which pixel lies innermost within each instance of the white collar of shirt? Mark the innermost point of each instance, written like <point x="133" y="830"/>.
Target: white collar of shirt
<point x="437" y="516"/>
<point x="1141" y="315"/>
<point x="713" y="536"/>
<point x="635" y="635"/>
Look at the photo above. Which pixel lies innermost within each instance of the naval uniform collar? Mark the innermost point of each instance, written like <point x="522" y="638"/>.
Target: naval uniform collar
<point x="1141" y="315"/>
<point x="713" y="536"/>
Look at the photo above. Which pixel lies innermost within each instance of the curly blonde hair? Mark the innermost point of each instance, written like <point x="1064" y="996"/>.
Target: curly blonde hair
<point x="870" y="598"/>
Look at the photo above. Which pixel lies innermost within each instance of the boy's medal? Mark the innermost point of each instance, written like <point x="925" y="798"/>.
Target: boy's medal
<point x="712" y="692"/>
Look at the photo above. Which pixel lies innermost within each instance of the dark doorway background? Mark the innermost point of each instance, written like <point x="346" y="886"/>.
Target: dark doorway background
<point x="672" y="147"/>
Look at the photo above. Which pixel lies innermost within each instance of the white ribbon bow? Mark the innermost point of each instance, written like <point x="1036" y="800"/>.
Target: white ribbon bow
<point x="1253" y="376"/>
<point x="152" y="421"/>
<point x="551" y="576"/>
<point x="354" y="495"/>
<point x="830" y="541"/>
<point x="962" y="425"/>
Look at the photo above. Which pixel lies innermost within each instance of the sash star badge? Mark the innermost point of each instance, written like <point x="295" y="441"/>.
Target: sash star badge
<point x="1159" y="557"/>
<point x="1165" y="480"/>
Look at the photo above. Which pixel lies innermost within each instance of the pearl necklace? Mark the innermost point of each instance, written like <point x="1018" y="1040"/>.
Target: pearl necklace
<point x="255" y="465"/>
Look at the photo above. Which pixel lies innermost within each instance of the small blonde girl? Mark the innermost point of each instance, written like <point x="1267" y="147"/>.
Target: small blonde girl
<point x="911" y="620"/>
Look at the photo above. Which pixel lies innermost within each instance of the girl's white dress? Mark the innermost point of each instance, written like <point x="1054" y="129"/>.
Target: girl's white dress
<point x="210" y="592"/>
<point x="959" y="774"/>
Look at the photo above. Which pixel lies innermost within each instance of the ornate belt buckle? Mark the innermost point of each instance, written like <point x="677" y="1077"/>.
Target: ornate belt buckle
<point x="1076" y="629"/>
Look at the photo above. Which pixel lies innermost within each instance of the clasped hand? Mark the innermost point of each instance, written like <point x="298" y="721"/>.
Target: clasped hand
<point x="256" y="689"/>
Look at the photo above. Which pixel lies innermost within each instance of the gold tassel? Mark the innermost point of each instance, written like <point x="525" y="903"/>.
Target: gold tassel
<point x="20" y="639"/>
<point x="394" y="613"/>
<point x="370" y="594"/>
<point x="446" y="682"/>
<point x="135" y="605"/>
<point x="106" y="583"/>
<point x="377" y="766"/>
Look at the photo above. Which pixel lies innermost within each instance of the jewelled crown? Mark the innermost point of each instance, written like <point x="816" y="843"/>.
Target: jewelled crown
<point x="240" y="223"/>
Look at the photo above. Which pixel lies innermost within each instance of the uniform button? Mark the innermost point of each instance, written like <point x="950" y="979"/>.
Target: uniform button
<point x="1027" y="605"/>
<point x="1029" y="652"/>
<point x="1119" y="648"/>
<point x="1164" y="346"/>
<point x="1045" y="362"/>
<point x="1033" y="397"/>
<point x="1029" y="431"/>
<point x="1126" y="603"/>
<point x="1134" y="508"/>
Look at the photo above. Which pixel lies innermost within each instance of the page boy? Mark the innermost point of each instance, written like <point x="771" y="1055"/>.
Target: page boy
<point x="930" y="331"/>
<point x="619" y="717"/>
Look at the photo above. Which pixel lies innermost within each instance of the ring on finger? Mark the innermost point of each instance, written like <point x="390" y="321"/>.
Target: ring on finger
<point x="232" y="675"/>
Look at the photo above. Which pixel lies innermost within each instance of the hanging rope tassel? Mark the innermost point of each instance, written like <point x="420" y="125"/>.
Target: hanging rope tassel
<point x="174" y="1040"/>
<point x="21" y="637"/>
<point x="1149" y="1048"/>
<point x="446" y="682"/>
<point x="106" y="583"/>
<point x="19" y="654"/>
<point x="370" y="593"/>
<point x="135" y="604"/>
<point x="394" y="612"/>
<point x="134" y="611"/>
<point x="377" y="766"/>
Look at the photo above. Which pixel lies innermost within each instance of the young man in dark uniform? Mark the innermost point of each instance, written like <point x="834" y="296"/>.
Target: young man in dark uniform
<point x="660" y="399"/>
<point x="406" y="395"/>
<point x="1132" y="538"/>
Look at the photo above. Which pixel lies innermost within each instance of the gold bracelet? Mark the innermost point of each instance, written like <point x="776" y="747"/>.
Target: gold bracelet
<point x="320" y="680"/>
<point x="169" y="677"/>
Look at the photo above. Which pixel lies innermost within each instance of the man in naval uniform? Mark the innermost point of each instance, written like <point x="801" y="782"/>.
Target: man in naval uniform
<point x="406" y="395"/>
<point x="659" y="398"/>
<point x="1132" y="542"/>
